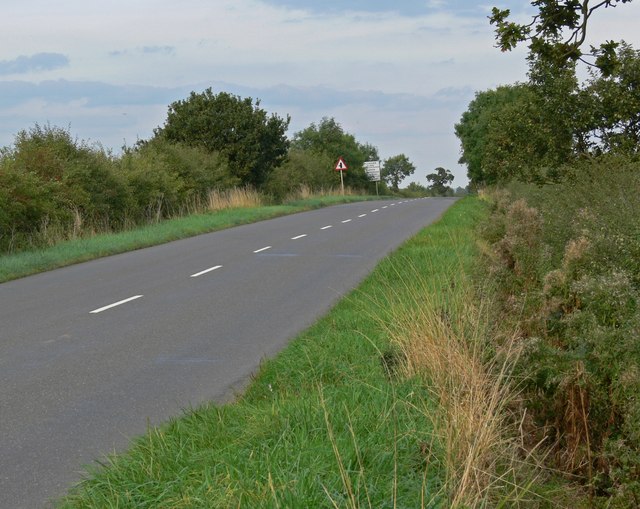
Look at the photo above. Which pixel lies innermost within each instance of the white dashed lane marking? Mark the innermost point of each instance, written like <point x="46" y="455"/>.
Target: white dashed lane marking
<point x="197" y="274"/>
<point x="347" y="221"/>
<point x="262" y="249"/>
<point x="299" y="236"/>
<point x="119" y="303"/>
<point x="327" y="227"/>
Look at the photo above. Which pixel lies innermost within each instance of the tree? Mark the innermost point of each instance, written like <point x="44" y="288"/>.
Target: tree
<point x="612" y="106"/>
<point x="440" y="179"/>
<point x="253" y="142"/>
<point x="478" y="124"/>
<point x="395" y="169"/>
<point x="328" y="138"/>
<point x="557" y="32"/>
<point x="523" y="131"/>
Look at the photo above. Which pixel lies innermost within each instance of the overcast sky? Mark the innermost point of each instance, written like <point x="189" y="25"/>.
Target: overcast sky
<point x="397" y="74"/>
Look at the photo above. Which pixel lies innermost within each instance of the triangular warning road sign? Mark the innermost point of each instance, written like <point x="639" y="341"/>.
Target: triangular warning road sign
<point x="341" y="165"/>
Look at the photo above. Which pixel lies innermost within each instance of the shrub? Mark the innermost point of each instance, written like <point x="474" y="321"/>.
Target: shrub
<point x="567" y="259"/>
<point x="25" y="202"/>
<point x="165" y="177"/>
<point x="302" y="168"/>
<point x="96" y="191"/>
<point x="52" y="182"/>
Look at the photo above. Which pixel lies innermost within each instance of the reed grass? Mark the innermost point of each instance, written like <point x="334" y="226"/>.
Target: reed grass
<point x="243" y="197"/>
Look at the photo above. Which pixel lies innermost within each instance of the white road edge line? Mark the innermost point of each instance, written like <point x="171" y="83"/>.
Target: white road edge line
<point x="119" y="303"/>
<point x="327" y="227"/>
<point x="362" y="215"/>
<point x="347" y="221"/>
<point x="206" y="270"/>
<point x="262" y="249"/>
<point x="299" y="236"/>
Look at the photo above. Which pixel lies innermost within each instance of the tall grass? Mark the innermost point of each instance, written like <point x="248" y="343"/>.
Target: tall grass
<point x="305" y="192"/>
<point x="442" y="334"/>
<point x="243" y="197"/>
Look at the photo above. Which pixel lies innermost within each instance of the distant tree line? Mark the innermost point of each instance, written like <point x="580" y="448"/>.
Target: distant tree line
<point x="54" y="187"/>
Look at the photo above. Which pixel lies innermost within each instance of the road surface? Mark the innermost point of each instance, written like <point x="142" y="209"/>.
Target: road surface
<point x="93" y="353"/>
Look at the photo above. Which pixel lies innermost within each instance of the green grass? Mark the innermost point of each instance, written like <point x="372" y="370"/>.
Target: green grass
<point x="13" y="266"/>
<point x="330" y="422"/>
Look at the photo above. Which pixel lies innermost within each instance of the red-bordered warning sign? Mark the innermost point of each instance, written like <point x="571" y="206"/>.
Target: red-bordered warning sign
<point x="341" y="165"/>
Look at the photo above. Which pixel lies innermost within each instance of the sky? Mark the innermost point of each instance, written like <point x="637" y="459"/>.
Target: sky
<point x="396" y="74"/>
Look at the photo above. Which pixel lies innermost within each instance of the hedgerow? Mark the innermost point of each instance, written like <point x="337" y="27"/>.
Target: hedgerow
<point x="565" y="260"/>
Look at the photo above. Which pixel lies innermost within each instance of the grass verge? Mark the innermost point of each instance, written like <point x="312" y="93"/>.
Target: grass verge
<point x="14" y="266"/>
<point x="342" y="417"/>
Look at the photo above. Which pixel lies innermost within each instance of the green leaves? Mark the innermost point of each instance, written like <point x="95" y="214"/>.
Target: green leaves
<point x="440" y="180"/>
<point x="395" y="169"/>
<point x="606" y="58"/>
<point x="253" y="142"/>
<point x="557" y="32"/>
<point x="328" y="138"/>
<point x="508" y="34"/>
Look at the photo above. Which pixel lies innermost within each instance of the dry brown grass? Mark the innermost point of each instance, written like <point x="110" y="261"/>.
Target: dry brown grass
<point x="304" y="192"/>
<point x="239" y="197"/>
<point x="443" y="339"/>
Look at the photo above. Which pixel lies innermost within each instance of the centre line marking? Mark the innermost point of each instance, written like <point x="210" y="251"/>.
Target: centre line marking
<point x="362" y="215"/>
<point x="347" y="221"/>
<point x="385" y="207"/>
<point x="206" y="270"/>
<point x="262" y="249"/>
<point x="119" y="303"/>
<point x="299" y="236"/>
<point x="375" y="210"/>
<point x="327" y="227"/>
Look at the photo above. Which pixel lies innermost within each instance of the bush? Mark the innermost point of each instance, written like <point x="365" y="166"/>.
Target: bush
<point x="96" y="191"/>
<point x="53" y="187"/>
<point x="199" y="170"/>
<point x="53" y="183"/>
<point x="302" y="168"/>
<point x="567" y="259"/>
<point x="25" y="203"/>
<point x="164" y="178"/>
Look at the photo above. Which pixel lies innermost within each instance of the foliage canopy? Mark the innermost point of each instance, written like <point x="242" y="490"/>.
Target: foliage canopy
<point x="440" y="180"/>
<point x="557" y="32"/>
<point x="328" y="138"/>
<point x="253" y="142"/>
<point x="397" y="168"/>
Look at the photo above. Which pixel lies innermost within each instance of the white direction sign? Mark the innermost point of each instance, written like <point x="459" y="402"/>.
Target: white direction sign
<point x="372" y="169"/>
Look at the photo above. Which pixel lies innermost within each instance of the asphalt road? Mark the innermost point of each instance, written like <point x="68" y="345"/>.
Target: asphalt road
<point x="93" y="353"/>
